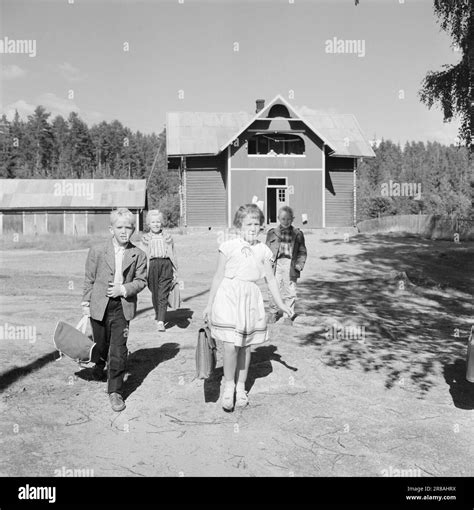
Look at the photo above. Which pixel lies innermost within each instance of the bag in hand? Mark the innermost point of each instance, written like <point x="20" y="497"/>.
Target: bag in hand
<point x="74" y="342"/>
<point x="205" y="353"/>
<point x="174" y="298"/>
<point x="470" y="357"/>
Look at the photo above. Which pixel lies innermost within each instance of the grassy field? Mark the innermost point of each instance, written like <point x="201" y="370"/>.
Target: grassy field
<point x="322" y="403"/>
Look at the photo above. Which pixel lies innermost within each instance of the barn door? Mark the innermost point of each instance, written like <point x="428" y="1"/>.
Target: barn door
<point x="281" y="198"/>
<point x="276" y="197"/>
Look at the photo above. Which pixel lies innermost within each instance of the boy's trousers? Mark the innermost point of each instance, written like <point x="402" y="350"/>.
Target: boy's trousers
<point x="160" y="278"/>
<point x="287" y="287"/>
<point x="110" y="335"/>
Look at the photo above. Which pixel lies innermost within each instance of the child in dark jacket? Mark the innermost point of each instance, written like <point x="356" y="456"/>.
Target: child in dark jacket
<point x="115" y="273"/>
<point x="289" y="254"/>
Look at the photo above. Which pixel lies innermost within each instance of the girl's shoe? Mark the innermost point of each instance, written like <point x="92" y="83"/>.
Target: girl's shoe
<point x="241" y="398"/>
<point x="228" y="397"/>
<point x="161" y="326"/>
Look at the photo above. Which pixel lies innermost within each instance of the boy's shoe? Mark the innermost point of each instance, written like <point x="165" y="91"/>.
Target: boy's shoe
<point x="116" y="402"/>
<point x="161" y="326"/>
<point x="241" y="398"/>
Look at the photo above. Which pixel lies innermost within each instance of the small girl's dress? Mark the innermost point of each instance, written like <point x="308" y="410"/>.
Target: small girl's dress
<point x="238" y="312"/>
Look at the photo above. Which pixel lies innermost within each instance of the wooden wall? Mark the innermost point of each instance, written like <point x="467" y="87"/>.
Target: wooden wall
<point x="206" y="193"/>
<point x="339" y="192"/>
<point x="307" y="197"/>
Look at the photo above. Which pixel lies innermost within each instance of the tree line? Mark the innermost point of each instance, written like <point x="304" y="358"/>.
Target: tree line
<point x="39" y="147"/>
<point x="439" y="178"/>
<point x="421" y="178"/>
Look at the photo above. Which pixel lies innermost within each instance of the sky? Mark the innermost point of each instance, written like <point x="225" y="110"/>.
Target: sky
<point x="137" y="60"/>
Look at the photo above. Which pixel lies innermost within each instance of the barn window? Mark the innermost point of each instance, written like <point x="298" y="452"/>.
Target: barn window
<point x="276" y="181"/>
<point x="279" y="110"/>
<point x="276" y="144"/>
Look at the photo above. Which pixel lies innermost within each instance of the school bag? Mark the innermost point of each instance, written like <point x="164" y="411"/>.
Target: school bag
<point x="470" y="357"/>
<point x="174" y="298"/>
<point x="74" y="342"/>
<point x="205" y="353"/>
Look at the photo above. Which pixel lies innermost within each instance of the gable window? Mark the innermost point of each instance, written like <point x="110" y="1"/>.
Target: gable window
<point x="278" y="144"/>
<point x="279" y="110"/>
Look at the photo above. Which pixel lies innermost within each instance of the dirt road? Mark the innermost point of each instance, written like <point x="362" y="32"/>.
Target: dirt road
<point x="381" y="391"/>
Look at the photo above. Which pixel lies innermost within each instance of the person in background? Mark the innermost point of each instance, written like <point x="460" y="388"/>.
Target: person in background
<point x="162" y="264"/>
<point x="289" y="255"/>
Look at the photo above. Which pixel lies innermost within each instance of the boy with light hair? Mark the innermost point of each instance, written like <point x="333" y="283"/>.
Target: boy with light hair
<point x="162" y="264"/>
<point x="115" y="273"/>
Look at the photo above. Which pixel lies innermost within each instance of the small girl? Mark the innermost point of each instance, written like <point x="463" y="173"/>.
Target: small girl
<point x="162" y="264"/>
<point x="235" y="310"/>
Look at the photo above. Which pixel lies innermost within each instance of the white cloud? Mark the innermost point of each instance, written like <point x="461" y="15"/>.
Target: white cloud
<point x="24" y="109"/>
<point x="57" y="105"/>
<point x="53" y="104"/>
<point x="10" y="72"/>
<point x="70" y="73"/>
<point x="305" y="110"/>
<point x="447" y="135"/>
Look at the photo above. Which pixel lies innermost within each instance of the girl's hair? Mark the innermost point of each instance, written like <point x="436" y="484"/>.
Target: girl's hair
<point x="154" y="212"/>
<point x="122" y="212"/>
<point x="248" y="210"/>
<point x="288" y="210"/>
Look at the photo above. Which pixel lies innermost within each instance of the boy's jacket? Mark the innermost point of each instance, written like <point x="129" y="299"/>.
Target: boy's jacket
<point x="298" y="249"/>
<point x="100" y="270"/>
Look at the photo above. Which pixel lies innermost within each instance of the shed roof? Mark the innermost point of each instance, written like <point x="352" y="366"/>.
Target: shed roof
<point x="190" y="133"/>
<point x="66" y="194"/>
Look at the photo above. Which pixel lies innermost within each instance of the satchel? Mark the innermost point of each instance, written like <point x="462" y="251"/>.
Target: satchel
<point x="174" y="298"/>
<point x="73" y="341"/>
<point x="470" y="357"/>
<point x="205" y="353"/>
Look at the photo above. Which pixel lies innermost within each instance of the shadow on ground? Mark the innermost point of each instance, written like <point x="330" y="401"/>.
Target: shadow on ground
<point x="139" y="364"/>
<point x="412" y="324"/>
<point x="14" y="374"/>
<point x="260" y="366"/>
<point x="462" y="391"/>
<point x="180" y="318"/>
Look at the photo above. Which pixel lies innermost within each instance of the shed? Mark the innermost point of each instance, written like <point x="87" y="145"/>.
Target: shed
<point x="66" y="206"/>
<point x="275" y="156"/>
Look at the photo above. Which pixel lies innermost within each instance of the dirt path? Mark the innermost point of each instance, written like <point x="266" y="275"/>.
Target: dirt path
<point x="320" y="405"/>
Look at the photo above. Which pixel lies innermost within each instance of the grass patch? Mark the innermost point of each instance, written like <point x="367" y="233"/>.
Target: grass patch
<point x="54" y="242"/>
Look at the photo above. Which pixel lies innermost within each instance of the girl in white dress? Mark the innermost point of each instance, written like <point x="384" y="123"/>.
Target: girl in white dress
<point x="235" y="310"/>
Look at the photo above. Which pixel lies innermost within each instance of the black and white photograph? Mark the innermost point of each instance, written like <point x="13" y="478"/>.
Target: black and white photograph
<point x="237" y="240"/>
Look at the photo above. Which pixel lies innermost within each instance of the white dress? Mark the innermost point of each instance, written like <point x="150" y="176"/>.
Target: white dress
<point x="238" y="312"/>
